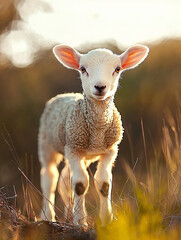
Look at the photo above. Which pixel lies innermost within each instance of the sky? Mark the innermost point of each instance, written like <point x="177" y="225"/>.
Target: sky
<point x="77" y="22"/>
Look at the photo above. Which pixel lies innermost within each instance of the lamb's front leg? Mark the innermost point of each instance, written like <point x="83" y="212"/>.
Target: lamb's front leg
<point x="103" y="183"/>
<point x="80" y="184"/>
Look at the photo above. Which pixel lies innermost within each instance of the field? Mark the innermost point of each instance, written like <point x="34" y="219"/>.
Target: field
<point x="146" y="195"/>
<point x="146" y="185"/>
<point x="147" y="206"/>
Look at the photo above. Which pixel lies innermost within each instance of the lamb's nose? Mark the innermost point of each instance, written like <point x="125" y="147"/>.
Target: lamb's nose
<point x="99" y="88"/>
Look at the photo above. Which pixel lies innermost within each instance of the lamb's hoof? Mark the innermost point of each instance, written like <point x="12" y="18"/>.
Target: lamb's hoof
<point x="47" y="217"/>
<point x="107" y="220"/>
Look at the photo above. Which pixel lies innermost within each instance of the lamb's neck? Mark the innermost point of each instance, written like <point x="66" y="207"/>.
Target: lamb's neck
<point x="98" y="113"/>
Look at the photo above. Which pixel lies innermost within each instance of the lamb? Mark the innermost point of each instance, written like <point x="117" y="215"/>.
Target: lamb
<point x="83" y="128"/>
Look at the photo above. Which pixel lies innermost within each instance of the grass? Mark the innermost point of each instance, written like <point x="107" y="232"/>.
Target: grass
<point x="147" y="207"/>
<point x="153" y="208"/>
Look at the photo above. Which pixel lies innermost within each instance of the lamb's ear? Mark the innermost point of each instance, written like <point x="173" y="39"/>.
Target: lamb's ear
<point x="133" y="56"/>
<point x="68" y="56"/>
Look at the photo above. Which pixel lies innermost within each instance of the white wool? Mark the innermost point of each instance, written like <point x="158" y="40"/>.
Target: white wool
<point x="83" y="128"/>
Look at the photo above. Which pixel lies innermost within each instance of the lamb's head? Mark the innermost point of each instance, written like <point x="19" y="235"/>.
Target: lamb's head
<point x="100" y="69"/>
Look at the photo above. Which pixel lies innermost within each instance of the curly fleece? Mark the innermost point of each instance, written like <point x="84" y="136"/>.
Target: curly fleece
<point x="85" y="125"/>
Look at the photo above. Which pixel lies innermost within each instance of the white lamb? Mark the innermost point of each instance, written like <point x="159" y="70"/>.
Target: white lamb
<point x="84" y="128"/>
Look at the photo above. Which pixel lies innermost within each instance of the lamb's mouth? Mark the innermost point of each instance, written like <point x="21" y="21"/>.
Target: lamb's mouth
<point x="99" y="96"/>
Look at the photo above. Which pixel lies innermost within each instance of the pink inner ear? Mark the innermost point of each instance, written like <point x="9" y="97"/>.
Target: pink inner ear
<point x="133" y="58"/>
<point x="68" y="57"/>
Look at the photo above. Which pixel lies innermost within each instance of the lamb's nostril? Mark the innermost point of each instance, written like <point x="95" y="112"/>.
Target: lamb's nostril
<point x="100" y="88"/>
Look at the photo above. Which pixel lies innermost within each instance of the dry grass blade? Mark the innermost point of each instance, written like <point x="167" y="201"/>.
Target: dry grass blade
<point x="144" y="142"/>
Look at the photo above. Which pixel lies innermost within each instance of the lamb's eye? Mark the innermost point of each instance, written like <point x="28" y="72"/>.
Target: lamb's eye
<point x="117" y="70"/>
<point x="82" y="69"/>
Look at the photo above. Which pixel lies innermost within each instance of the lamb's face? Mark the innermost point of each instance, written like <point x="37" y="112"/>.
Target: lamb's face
<point x="100" y="70"/>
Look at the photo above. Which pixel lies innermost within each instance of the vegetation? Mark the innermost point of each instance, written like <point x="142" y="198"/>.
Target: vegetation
<point x="147" y="206"/>
<point x="152" y="208"/>
<point x="146" y="188"/>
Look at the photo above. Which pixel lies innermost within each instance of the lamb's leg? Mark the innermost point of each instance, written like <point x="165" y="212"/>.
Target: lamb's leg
<point x="80" y="183"/>
<point x="103" y="183"/>
<point x="48" y="178"/>
<point x="64" y="188"/>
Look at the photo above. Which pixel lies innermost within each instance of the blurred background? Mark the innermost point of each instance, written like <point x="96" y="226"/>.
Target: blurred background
<point x="148" y="96"/>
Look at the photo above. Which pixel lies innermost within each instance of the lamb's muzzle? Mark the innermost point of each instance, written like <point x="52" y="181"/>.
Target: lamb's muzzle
<point x="83" y="129"/>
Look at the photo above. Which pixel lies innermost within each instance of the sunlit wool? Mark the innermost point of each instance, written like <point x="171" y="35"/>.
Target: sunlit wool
<point x="84" y="128"/>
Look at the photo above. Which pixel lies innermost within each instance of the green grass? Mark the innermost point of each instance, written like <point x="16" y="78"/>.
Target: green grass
<point x="148" y="205"/>
<point x="153" y="208"/>
<point x="143" y="221"/>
